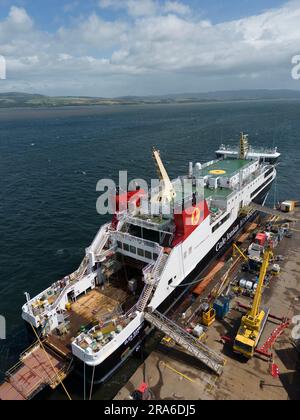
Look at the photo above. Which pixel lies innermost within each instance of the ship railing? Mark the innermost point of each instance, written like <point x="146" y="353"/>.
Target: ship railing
<point x="126" y="237"/>
<point x="148" y="224"/>
<point x="188" y="202"/>
<point x="106" y="253"/>
<point x="152" y="275"/>
<point x="157" y="269"/>
<point x="122" y="218"/>
<point x="154" y="270"/>
<point x="148" y="269"/>
<point x="252" y="149"/>
<point x="99" y="239"/>
<point x="212" y="162"/>
<point x="17" y="366"/>
<point x="80" y="272"/>
<point x="63" y="292"/>
<point x="56" y="303"/>
<point x="254" y="175"/>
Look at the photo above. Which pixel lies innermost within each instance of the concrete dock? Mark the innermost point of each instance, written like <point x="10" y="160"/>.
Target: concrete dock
<point x="173" y="374"/>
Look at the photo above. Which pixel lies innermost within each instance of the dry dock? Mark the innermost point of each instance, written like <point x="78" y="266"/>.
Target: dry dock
<point x="172" y="374"/>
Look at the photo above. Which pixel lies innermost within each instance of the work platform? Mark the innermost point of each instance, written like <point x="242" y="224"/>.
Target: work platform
<point x="39" y="367"/>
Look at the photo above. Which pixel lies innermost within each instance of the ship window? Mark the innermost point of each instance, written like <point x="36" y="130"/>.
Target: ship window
<point x="260" y="188"/>
<point x="155" y="256"/>
<point x="140" y="252"/>
<point x="269" y="172"/>
<point x="185" y="254"/>
<point x="126" y="247"/>
<point x="221" y="222"/>
<point x="133" y="249"/>
<point x="120" y="245"/>
<point x="170" y="282"/>
<point x="148" y="255"/>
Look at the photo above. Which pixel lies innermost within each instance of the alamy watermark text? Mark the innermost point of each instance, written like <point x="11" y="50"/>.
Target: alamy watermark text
<point x="2" y="328"/>
<point x="2" y="68"/>
<point x="296" y="67"/>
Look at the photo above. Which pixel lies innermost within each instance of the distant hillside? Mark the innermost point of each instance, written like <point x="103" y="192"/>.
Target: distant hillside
<point x="17" y="99"/>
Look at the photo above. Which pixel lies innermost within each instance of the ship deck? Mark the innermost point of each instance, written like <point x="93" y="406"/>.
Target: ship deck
<point x="217" y="193"/>
<point x="89" y="309"/>
<point x="97" y="306"/>
<point x="226" y="167"/>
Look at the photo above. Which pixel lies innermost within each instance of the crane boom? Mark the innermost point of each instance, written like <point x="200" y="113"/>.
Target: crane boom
<point x="168" y="192"/>
<point x="258" y="295"/>
<point x="253" y="323"/>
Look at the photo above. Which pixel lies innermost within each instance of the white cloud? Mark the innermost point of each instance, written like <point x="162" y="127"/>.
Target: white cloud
<point x="15" y="25"/>
<point x="176" y="7"/>
<point x="137" y="8"/>
<point x="19" y="18"/>
<point x="162" y="48"/>
<point x="93" y="32"/>
<point x="134" y="8"/>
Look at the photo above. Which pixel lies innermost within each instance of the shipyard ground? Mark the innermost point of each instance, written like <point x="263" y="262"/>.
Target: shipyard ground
<point x="174" y="375"/>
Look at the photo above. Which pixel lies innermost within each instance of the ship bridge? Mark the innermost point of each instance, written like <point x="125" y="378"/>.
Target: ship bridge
<point x="262" y="154"/>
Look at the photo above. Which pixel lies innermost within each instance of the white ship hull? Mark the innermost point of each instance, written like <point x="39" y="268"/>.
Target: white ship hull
<point x="205" y="247"/>
<point x="105" y="368"/>
<point x="184" y="259"/>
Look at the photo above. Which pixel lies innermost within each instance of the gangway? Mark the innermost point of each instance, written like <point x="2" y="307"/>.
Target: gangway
<point x="272" y="212"/>
<point x="208" y="357"/>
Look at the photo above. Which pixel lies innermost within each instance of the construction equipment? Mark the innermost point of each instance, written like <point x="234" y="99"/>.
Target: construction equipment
<point x="253" y="323"/>
<point x="208" y="316"/>
<point x="288" y="206"/>
<point x="237" y="249"/>
<point x="167" y="193"/>
<point x="222" y="307"/>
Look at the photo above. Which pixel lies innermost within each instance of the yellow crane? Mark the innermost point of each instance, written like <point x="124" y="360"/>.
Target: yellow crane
<point x="253" y="323"/>
<point x="237" y="249"/>
<point x="167" y="192"/>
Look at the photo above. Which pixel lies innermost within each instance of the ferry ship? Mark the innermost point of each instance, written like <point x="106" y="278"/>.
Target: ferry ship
<point x="139" y="262"/>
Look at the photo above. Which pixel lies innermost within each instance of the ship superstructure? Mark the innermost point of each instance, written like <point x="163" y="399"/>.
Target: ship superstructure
<point x="138" y="260"/>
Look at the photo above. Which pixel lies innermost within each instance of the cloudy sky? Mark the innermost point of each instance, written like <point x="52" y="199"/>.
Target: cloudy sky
<point x="143" y="47"/>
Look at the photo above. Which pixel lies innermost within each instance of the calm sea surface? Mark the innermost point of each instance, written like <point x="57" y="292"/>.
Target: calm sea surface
<point x="51" y="160"/>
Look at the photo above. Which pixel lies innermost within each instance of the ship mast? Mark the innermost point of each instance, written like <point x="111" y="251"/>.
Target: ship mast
<point x="244" y="146"/>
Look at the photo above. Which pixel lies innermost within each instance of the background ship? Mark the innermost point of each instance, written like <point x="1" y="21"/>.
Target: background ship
<point x="138" y="261"/>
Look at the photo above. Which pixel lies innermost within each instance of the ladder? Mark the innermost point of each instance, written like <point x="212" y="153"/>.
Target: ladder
<point x="152" y="276"/>
<point x="145" y="297"/>
<point x="208" y="357"/>
<point x="159" y="267"/>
